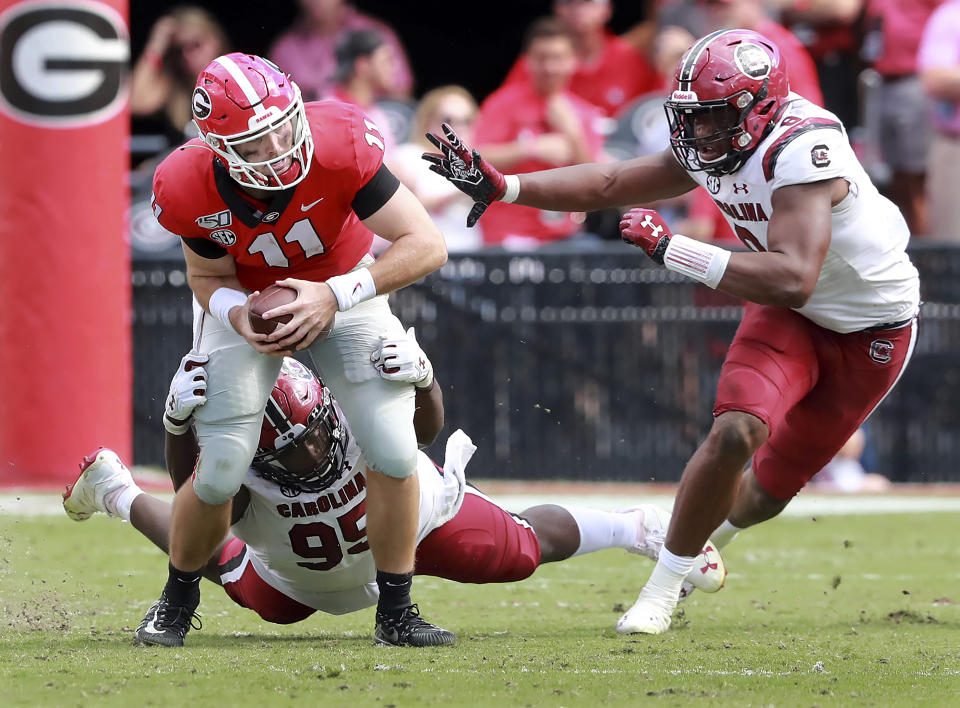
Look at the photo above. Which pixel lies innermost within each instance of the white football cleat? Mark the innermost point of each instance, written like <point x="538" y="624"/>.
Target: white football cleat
<point x="100" y="474"/>
<point x="709" y="572"/>
<point x="650" y="614"/>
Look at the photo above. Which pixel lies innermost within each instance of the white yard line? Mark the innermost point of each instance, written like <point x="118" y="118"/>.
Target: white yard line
<point x="34" y="504"/>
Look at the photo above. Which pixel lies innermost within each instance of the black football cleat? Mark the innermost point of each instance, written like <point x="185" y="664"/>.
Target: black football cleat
<point x="409" y="630"/>
<point x="167" y="624"/>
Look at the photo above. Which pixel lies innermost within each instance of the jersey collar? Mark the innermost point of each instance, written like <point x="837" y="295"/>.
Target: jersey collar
<point x="251" y="216"/>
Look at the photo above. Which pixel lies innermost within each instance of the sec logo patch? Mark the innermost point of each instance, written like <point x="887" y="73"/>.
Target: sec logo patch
<point x="225" y="237"/>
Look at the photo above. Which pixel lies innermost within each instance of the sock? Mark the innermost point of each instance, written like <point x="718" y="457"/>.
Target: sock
<point x="664" y="583"/>
<point x="119" y="501"/>
<point x="394" y="592"/>
<point x="681" y="565"/>
<point x="183" y="587"/>
<point x="602" y="529"/>
<point x="724" y="534"/>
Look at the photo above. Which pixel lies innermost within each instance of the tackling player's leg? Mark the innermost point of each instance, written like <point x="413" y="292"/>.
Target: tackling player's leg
<point x="567" y="531"/>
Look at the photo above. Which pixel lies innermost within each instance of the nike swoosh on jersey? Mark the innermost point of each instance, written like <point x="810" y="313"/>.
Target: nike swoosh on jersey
<point x="307" y="207"/>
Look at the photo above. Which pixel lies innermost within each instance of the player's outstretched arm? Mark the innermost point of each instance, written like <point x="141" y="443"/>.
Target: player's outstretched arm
<point x="575" y="188"/>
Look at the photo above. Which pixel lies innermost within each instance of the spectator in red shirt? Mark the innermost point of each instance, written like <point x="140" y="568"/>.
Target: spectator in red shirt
<point x="306" y="50"/>
<point x="752" y="15"/>
<point x="610" y="71"/>
<point x="532" y="125"/>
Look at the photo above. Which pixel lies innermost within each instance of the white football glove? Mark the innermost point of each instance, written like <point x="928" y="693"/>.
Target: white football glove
<point x="403" y="360"/>
<point x="188" y="390"/>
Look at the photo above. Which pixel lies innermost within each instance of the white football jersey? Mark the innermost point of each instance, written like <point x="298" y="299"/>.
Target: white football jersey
<point x="313" y="546"/>
<point x="867" y="278"/>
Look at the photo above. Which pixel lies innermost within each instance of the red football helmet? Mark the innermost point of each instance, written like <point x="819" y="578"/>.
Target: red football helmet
<point x="728" y="88"/>
<point x="238" y="100"/>
<point x="303" y="442"/>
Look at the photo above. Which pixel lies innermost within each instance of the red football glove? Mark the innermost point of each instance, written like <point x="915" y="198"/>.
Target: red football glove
<point x="647" y="229"/>
<point x="466" y="170"/>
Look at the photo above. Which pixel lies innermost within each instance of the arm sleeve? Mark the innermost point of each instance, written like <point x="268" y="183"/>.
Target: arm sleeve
<point x="375" y="193"/>
<point x="204" y="247"/>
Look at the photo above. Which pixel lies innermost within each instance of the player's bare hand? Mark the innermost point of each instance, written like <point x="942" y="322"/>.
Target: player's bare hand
<point x="466" y="170"/>
<point x="313" y="313"/>
<point x="240" y="319"/>
<point x="647" y="229"/>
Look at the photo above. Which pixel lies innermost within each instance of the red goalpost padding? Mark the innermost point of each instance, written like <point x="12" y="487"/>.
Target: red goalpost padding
<point x="65" y="349"/>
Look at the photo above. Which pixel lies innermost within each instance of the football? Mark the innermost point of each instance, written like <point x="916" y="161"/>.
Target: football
<point x="270" y="297"/>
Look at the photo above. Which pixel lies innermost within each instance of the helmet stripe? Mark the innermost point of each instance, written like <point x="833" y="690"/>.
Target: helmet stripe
<point x="686" y="71"/>
<point x="243" y="82"/>
<point x="278" y="419"/>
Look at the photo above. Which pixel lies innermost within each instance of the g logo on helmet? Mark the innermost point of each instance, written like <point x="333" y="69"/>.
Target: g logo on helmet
<point x="63" y="64"/>
<point x="752" y="60"/>
<point x="201" y="103"/>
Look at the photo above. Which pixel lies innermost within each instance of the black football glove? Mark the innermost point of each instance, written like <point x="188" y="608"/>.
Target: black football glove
<point x="466" y="170"/>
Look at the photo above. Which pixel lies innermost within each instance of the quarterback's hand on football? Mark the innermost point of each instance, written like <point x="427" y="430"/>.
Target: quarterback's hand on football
<point x="313" y="312"/>
<point x="188" y="391"/>
<point x="647" y="229"/>
<point x="466" y="170"/>
<point x="403" y="360"/>
<point x="240" y="320"/>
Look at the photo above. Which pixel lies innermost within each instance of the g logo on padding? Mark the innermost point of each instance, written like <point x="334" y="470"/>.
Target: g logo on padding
<point x="63" y="64"/>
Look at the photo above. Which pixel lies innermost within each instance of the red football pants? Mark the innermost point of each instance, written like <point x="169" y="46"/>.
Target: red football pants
<point x="812" y="387"/>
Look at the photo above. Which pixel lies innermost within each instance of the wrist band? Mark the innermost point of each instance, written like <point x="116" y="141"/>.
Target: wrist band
<point x="175" y="428"/>
<point x="222" y="301"/>
<point x="352" y="288"/>
<point x="511" y="188"/>
<point x="697" y="260"/>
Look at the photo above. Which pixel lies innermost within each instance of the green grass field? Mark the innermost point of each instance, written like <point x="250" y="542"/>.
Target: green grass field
<point x="833" y="611"/>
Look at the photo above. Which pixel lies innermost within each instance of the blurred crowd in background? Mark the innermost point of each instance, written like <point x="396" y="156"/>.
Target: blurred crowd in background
<point x="890" y="69"/>
<point x="578" y="92"/>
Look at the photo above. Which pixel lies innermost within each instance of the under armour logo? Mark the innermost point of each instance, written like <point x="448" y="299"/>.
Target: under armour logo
<point x="648" y="221"/>
<point x="707" y="567"/>
<point x="742" y="187"/>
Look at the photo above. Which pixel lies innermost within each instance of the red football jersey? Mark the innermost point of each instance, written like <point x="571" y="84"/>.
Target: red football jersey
<point x="610" y="81"/>
<point x="311" y="231"/>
